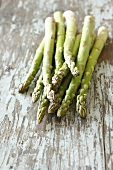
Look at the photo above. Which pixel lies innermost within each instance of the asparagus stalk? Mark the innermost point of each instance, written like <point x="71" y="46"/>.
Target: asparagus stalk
<point x="54" y="105"/>
<point x="59" y="45"/>
<point x="42" y="108"/>
<point x="50" y="28"/>
<point x="59" y="39"/>
<point x="43" y="105"/>
<point x="92" y="60"/>
<point x="62" y="72"/>
<point x="47" y="66"/>
<point x="82" y="57"/>
<point x="34" y="68"/>
<point x="38" y="89"/>
<point x="69" y="41"/>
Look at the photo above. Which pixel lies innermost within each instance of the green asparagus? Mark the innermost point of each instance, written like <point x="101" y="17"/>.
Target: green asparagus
<point x="69" y="41"/>
<point x="42" y="108"/>
<point x="60" y="37"/>
<point x="34" y="68"/>
<point x="59" y="45"/>
<point x="92" y="60"/>
<point x="54" y="105"/>
<point x="85" y="44"/>
<point x="50" y="28"/>
<point x="43" y="105"/>
<point x="38" y="89"/>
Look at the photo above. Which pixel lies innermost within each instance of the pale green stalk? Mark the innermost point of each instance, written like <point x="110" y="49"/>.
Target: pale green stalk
<point x="69" y="41"/>
<point x="34" y="68"/>
<point x="38" y="89"/>
<point x="50" y="28"/>
<point x="92" y="60"/>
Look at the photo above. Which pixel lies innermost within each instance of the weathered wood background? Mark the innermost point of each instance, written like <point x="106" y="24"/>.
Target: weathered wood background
<point x="70" y="143"/>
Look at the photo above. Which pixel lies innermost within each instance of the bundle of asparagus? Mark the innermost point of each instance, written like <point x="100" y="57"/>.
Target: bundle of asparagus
<point x="75" y="54"/>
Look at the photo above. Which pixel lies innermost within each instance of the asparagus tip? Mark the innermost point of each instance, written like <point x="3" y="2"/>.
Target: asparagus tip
<point x="81" y="105"/>
<point x="39" y="121"/>
<point x="22" y="88"/>
<point x="35" y="97"/>
<point x="33" y="100"/>
<point x="61" y="113"/>
<point x="82" y="112"/>
<point x="53" y="107"/>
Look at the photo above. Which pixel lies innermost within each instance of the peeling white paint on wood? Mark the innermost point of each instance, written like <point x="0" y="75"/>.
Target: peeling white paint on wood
<point x="70" y="143"/>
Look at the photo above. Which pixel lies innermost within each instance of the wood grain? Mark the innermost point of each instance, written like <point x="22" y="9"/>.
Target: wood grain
<point x="70" y="143"/>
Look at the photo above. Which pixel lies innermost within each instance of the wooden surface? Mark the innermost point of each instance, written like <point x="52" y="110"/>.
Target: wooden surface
<point x="70" y="143"/>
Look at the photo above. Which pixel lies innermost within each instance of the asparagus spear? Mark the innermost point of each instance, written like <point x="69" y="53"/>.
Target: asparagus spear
<point x="62" y="72"/>
<point x="59" y="39"/>
<point x="54" y="105"/>
<point x="59" y="45"/>
<point x="92" y="60"/>
<point x="43" y="105"/>
<point x="83" y="54"/>
<point x="50" y="28"/>
<point x="34" y="68"/>
<point x="38" y="89"/>
<point x="42" y="108"/>
<point x="69" y="41"/>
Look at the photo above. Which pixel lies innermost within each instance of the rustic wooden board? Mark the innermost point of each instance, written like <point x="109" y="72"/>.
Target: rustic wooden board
<point x="70" y="143"/>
